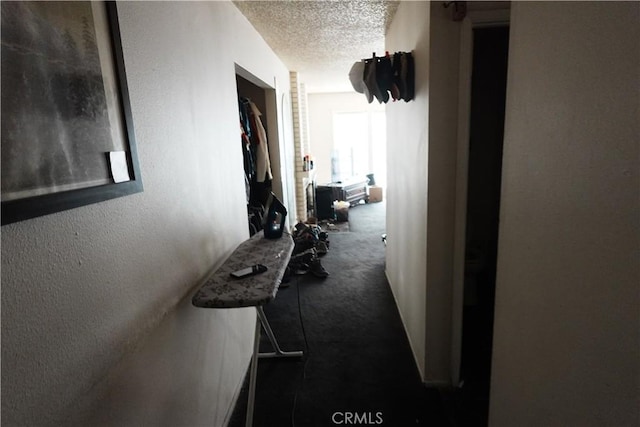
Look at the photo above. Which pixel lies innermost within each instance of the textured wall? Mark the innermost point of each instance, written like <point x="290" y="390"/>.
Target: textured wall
<point x="407" y="156"/>
<point x="97" y="326"/>
<point x="566" y="340"/>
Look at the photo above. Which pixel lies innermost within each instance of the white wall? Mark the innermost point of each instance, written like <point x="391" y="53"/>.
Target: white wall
<point x="407" y="157"/>
<point x="97" y="325"/>
<point x="443" y="132"/>
<point x="567" y="326"/>
<point x="422" y="152"/>
<point x="321" y="107"/>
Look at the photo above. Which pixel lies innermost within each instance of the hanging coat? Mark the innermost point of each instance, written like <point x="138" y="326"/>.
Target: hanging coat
<point x="263" y="165"/>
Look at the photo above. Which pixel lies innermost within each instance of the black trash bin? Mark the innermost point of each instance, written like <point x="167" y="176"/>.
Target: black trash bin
<point x="324" y="202"/>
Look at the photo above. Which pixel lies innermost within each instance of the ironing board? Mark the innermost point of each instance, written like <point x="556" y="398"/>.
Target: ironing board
<point x="221" y="290"/>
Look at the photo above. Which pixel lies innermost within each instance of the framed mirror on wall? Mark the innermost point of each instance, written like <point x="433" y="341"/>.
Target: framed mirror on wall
<point x="67" y="131"/>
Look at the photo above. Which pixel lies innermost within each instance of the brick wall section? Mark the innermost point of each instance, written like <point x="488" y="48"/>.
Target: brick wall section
<point x="301" y="194"/>
<point x="304" y="120"/>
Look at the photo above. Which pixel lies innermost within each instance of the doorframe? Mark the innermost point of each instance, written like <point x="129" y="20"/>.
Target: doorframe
<point x="474" y="19"/>
<point x="278" y="126"/>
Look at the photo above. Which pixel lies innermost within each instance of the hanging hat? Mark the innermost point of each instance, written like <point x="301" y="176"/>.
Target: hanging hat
<point x="396" y="86"/>
<point x="407" y="76"/>
<point x="384" y="77"/>
<point x="356" y="76"/>
<point x="410" y="77"/>
<point x="370" y="85"/>
<point x="371" y="82"/>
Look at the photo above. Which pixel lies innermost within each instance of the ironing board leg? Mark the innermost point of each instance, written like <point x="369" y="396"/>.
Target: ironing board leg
<point x="278" y="351"/>
<point x="254" y="374"/>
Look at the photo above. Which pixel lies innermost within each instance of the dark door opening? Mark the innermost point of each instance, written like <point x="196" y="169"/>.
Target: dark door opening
<point x="488" y="91"/>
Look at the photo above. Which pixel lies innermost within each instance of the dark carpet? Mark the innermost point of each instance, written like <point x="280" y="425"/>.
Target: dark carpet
<point x="358" y="368"/>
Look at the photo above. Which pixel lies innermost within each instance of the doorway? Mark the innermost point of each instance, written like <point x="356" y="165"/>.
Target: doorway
<point x="260" y="145"/>
<point x="486" y="134"/>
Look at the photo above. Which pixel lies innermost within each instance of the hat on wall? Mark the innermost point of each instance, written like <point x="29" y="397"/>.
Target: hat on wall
<point x="356" y="76"/>
<point x="384" y="78"/>
<point x="371" y="86"/>
<point x="408" y="76"/>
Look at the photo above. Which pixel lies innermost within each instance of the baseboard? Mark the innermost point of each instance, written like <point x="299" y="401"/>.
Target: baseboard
<point x="404" y="326"/>
<point x="244" y="383"/>
<point x="427" y="383"/>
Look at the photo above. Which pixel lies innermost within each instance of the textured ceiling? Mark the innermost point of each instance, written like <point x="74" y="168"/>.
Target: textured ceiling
<point x="321" y="39"/>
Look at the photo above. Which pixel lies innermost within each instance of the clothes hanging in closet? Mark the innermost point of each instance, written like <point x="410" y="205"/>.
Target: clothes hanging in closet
<point x="263" y="164"/>
<point x="255" y="143"/>
<point x="245" y="135"/>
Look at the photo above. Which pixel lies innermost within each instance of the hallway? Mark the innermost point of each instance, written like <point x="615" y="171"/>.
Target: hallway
<point x="358" y="358"/>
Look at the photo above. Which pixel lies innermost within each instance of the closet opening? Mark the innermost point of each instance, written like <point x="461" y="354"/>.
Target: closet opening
<point x="259" y="143"/>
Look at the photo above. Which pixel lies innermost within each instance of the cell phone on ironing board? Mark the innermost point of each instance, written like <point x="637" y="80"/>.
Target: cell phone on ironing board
<point x="249" y="271"/>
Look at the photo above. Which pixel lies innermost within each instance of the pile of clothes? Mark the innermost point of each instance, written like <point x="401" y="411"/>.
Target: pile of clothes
<point x="311" y="243"/>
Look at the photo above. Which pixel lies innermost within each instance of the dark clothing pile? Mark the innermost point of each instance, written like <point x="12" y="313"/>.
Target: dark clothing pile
<point x="310" y="244"/>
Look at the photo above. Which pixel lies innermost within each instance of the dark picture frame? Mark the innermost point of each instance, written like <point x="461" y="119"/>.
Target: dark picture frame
<point x="67" y="129"/>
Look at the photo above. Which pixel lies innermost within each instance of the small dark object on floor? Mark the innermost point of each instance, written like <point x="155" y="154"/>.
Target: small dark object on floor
<point x="322" y="248"/>
<point x="318" y="270"/>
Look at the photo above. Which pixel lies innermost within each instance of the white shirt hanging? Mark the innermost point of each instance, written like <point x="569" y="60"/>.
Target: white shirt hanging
<point x="263" y="164"/>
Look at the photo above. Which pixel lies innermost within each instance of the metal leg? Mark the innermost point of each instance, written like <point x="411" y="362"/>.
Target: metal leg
<point x="254" y="374"/>
<point x="262" y="320"/>
<point x="267" y="328"/>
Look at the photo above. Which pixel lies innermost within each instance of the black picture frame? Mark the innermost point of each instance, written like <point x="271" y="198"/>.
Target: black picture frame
<point x="114" y="105"/>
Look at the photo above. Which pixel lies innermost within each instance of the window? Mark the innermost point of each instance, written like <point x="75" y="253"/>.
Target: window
<point x="359" y="145"/>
